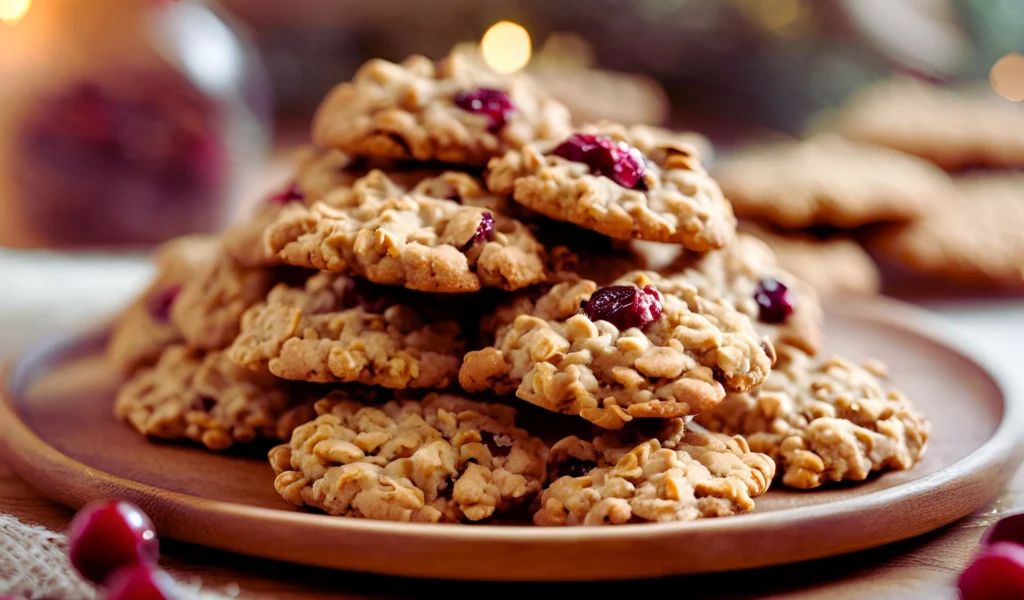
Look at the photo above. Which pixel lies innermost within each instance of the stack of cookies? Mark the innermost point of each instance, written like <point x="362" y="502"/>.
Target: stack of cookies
<point x="928" y="178"/>
<point x="443" y="319"/>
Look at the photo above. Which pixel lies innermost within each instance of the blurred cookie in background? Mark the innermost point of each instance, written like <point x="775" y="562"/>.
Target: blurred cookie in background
<point x="955" y="128"/>
<point x="834" y="267"/>
<point x="972" y="238"/>
<point x="828" y="181"/>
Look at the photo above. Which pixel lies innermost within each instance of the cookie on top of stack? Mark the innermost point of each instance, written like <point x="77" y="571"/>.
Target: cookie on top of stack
<point x="454" y="250"/>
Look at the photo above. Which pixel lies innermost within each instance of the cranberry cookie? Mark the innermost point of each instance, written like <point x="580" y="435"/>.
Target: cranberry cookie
<point x="453" y="111"/>
<point x="644" y="348"/>
<point x="380" y="232"/>
<point x="639" y="182"/>
<point x="828" y="181"/>
<point x="210" y="400"/>
<point x="339" y="329"/>
<point x="440" y="459"/>
<point x="142" y="332"/>
<point x="747" y="275"/>
<point x="682" y="474"/>
<point x="825" y="420"/>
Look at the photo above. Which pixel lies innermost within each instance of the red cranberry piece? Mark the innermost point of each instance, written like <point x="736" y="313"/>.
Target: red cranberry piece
<point x="292" y="194"/>
<point x="774" y="300"/>
<point x="109" y="534"/>
<point x="996" y="573"/>
<point x="494" y="104"/>
<point x="160" y="305"/>
<point x="624" y="306"/>
<point x="617" y="161"/>
<point x="484" y="231"/>
<point x="574" y="467"/>
<point x="1008" y="529"/>
<point x="140" y="582"/>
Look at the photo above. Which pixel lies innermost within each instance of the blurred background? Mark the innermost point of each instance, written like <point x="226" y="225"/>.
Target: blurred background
<point x="126" y="122"/>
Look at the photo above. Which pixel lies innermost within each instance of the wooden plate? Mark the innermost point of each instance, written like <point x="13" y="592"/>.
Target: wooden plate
<point x="60" y="435"/>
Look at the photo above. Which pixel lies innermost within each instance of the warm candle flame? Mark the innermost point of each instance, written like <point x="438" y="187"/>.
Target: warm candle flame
<point x="506" y="47"/>
<point x="13" y="11"/>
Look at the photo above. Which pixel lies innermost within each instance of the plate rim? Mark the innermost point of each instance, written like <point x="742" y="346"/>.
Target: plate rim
<point x="28" y="454"/>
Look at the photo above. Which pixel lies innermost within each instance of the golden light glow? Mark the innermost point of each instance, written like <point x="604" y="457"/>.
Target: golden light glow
<point x="13" y="11"/>
<point x="506" y="47"/>
<point x="1007" y="77"/>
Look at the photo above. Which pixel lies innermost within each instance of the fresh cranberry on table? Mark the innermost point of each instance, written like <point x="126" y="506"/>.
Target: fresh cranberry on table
<point x="110" y="534"/>
<point x="624" y="306"/>
<point x="140" y="582"/>
<point x="774" y="300"/>
<point x="494" y="104"/>
<point x="292" y="194"/>
<point x="1007" y="529"/>
<point x="997" y="573"/>
<point x="617" y="161"/>
<point x="160" y="305"/>
<point x="484" y="231"/>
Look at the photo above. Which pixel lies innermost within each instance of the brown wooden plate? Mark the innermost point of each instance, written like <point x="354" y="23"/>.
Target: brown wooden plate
<point x="58" y="429"/>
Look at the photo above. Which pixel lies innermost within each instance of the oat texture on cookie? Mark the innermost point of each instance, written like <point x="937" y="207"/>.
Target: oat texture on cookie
<point x="454" y="111"/>
<point x="440" y="459"/>
<point x="208" y="399"/>
<point x="341" y="329"/>
<point x="825" y="420"/>
<point x="626" y="183"/>
<point x="380" y="231"/>
<point x="646" y="347"/>
<point x="677" y="474"/>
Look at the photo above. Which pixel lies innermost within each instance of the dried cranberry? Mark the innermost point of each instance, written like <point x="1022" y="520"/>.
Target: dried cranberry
<point x="292" y="194"/>
<point x="484" y="231"/>
<point x="108" y="535"/>
<point x="160" y="305"/>
<point x="140" y="582"/>
<point x="494" y="104"/>
<point x="204" y="403"/>
<point x="774" y="299"/>
<point x="624" y="306"/>
<point x="617" y="161"/>
<point x="997" y="572"/>
<point x="575" y="467"/>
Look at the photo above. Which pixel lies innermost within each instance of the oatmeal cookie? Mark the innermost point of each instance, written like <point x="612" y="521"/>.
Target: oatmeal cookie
<point x="644" y="348"/>
<point x="825" y="420"/>
<point x="828" y="181"/>
<point x="379" y="232"/>
<point x="442" y="458"/>
<point x="835" y="267"/>
<point x="682" y="474"/>
<point x="639" y="182"/>
<point x="952" y="128"/>
<point x="747" y="275"/>
<point x="209" y="307"/>
<point x="339" y="329"/>
<point x="453" y="111"/>
<point x="210" y="400"/>
<point x="144" y="329"/>
<point x="974" y="239"/>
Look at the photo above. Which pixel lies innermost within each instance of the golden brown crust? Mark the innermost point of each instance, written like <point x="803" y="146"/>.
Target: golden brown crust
<point x="442" y="458"/>
<point x="681" y="204"/>
<point x="681" y="475"/>
<point x="407" y="111"/>
<point x="825" y="420"/>
<point x="556" y="357"/>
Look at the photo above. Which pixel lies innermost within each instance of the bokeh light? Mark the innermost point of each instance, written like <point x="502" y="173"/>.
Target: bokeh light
<point x="1007" y="76"/>
<point x="506" y="47"/>
<point x="13" y="11"/>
